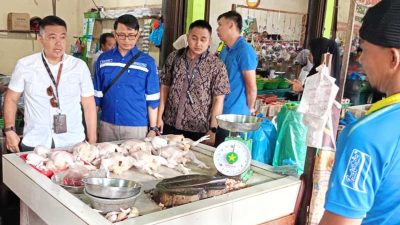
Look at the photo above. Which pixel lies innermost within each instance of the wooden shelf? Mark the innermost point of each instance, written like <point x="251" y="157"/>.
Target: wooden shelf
<point x="19" y="31"/>
<point x="143" y="17"/>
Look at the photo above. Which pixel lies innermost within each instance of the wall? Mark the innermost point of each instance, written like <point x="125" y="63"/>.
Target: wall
<point x="343" y="15"/>
<point x="219" y="7"/>
<point x="16" y="45"/>
<point x="86" y="5"/>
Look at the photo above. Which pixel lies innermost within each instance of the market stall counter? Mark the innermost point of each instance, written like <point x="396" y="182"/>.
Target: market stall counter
<point x="267" y="196"/>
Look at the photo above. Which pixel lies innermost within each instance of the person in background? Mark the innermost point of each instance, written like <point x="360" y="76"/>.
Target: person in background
<point x="304" y="60"/>
<point x="354" y="63"/>
<point x="107" y="42"/>
<point x="318" y="47"/>
<point x="128" y="106"/>
<point x="241" y="62"/>
<point x="194" y="83"/>
<point x="364" y="184"/>
<point x="54" y="85"/>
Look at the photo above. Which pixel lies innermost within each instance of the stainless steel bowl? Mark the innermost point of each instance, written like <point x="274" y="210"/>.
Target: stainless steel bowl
<point x="239" y="123"/>
<point x="58" y="179"/>
<point x="112" y="188"/>
<point x="109" y="205"/>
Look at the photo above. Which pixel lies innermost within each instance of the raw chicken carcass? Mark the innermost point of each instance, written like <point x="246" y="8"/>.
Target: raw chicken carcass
<point x="36" y="160"/>
<point x="174" y="139"/>
<point x="134" y="145"/>
<point x="158" y="142"/>
<point x="42" y="151"/>
<point x="178" y="156"/>
<point x="148" y="163"/>
<point x="60" y="160"/>
<point x="106" y="148"/>
<point x="85" y="152"/>
<point x="117" y="163"/>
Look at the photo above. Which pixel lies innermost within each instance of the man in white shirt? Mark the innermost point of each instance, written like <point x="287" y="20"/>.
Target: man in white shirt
<point x="54" y="86"/>
<point x="107" y="42"/>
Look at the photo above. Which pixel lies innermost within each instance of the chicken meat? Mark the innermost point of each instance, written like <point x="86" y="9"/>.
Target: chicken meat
<point x="85" y="152"/>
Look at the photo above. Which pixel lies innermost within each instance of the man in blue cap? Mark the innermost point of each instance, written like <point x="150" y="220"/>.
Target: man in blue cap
<point x="364" y="186"/>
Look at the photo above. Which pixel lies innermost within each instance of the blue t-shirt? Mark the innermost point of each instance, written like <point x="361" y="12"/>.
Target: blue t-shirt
<point x="365" y="180"/>
<point x="126" y="102"/>
<point x="239" y="58"/>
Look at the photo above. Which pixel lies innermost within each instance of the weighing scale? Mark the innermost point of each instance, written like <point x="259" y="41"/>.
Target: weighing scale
<point x="233" y="156"/>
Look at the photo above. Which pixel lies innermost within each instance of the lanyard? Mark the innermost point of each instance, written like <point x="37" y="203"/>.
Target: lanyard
<point x="393" y="99"/>
<point x="55" y="94"/>
<point x="191" y="74"/>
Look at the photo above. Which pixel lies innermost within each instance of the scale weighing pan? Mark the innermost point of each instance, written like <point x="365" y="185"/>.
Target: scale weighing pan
<point x="239" y="123"/>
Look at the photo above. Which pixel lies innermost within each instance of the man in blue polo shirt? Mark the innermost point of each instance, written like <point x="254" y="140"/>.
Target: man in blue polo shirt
<point x="241" y="62"/>
<point x="129" y="106"/>
<point x="364" y="186"/>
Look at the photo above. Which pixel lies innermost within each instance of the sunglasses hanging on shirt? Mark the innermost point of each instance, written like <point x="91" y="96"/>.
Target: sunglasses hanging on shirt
<point x="59" y="120"/>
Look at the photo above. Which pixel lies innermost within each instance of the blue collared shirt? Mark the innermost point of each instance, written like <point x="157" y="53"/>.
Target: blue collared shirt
<point x="240" y="57"/>
<point x="364" y="183"/>
<point x="126" y="102"/>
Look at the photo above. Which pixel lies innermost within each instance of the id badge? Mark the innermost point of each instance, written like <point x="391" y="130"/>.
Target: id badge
<point x="60" y="123"/>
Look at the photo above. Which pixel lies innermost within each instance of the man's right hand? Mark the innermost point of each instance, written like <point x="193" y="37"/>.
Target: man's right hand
<point x="12" y="141"/>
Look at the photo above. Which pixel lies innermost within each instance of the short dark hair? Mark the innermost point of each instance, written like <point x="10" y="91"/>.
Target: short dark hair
<point x="128" y="20"/>
<point x="52" y="21"/>
<point x="201" y="24"/>
<point x="234" y="16"/>
<point x="103" y="38"/>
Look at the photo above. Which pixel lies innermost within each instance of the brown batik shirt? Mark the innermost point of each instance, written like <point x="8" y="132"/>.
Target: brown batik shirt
<point x="209" y="78"/>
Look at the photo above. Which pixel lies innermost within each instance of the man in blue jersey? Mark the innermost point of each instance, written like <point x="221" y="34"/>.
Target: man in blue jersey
<point x="364" y="186"/>
<point x="129" y="106"/>
<point x="241" y="62"/>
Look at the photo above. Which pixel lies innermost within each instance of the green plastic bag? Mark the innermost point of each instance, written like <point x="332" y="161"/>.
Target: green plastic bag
<point x="291" y="148"/>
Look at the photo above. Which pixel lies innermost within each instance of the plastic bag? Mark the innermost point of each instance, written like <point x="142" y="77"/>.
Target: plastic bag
<point x="264" y="140"/>
<point x="74" y="175"/>
<point x="291" y="145"/>
<point x="157" y="34"/>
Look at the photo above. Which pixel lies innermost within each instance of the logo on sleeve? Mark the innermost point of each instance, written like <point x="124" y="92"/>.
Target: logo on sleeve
<point x="357" y="171"/>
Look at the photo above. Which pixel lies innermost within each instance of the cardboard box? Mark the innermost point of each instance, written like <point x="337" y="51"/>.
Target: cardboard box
<point x="18" y="21"/>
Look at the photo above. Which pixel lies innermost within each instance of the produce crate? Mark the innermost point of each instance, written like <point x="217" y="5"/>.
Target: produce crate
<point x="271" y="85"/>
<point x="278" y="92"/>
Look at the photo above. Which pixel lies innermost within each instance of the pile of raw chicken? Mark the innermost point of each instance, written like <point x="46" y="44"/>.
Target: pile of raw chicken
<point x="146" y="155"/>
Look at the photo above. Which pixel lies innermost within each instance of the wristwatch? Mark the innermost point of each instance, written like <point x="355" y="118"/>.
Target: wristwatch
<point x="155" y="129"/>
<point x="7" y="129"/>
<point x="213" y="129"/>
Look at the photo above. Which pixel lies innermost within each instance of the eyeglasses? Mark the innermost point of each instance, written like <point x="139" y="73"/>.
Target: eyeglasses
<point x="122" y="36"/>
<point x="53" y="100"/>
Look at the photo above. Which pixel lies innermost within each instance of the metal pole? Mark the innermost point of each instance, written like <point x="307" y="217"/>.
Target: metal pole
<point x="54" y="3"/>
<point x="347" y="47"/>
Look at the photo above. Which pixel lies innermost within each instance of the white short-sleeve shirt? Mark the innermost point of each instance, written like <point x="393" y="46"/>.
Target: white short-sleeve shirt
<point x="30" y="77"/>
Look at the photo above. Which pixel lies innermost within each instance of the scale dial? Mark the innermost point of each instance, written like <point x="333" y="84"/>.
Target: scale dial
<point x="232" y="158"/>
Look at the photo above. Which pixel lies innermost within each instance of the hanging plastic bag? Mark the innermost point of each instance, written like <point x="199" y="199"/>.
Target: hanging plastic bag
<point x="264" y="140"/>
<point x="157" y="34"/>
<point x="291" y="148"/>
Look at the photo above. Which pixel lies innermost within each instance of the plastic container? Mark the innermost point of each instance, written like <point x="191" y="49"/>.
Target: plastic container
<point x="283" y="85"/>
<point x="271" y="84"/>
<point x="260" y="85"/>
